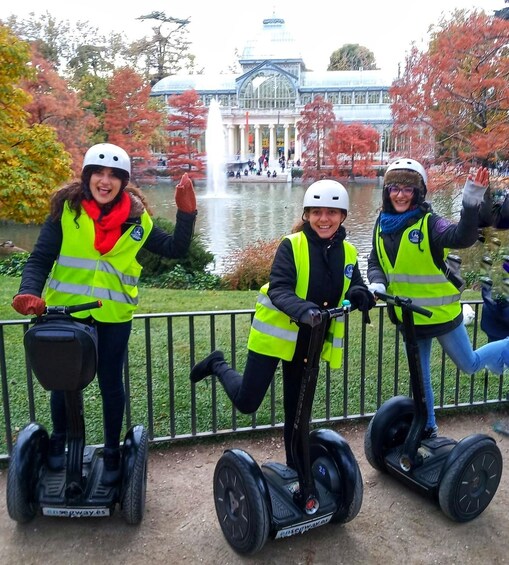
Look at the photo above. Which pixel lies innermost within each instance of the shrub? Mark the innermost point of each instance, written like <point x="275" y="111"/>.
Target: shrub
<point x="249" y="268"/>
<point x="12" y="265"/>
<point x="155" y="266"/>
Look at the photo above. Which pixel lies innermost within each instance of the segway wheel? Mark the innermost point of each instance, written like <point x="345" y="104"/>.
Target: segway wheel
<point x="471" y="482"/>
<point x="20" y="504"/>
<point x="240" y="506"/>
<point x="135" y="488"/>
<point x="387" y="429"/>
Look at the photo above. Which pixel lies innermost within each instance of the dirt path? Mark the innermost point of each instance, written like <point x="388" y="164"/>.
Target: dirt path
<point x="394" y="525"/>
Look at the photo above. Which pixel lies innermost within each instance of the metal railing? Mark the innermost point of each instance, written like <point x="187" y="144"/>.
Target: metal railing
<point x="164" y="346"/>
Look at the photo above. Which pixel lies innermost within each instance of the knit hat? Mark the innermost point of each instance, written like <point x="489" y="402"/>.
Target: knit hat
<point x="404" y="177"/>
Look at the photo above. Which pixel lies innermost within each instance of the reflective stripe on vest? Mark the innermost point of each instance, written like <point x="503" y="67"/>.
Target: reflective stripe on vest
<point x="82" y="274"/>
<point x="273" y="333"/>
<point x="415" y="275"/>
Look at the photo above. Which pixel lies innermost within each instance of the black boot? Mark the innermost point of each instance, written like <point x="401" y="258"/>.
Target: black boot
<point x="56" y="452"/>
<point x="111" y="466"/>
<point x="206" y="367"/>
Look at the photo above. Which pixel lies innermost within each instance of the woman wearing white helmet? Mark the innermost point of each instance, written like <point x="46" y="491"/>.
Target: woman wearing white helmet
<point x="104" y="221"/>
<point x="410" y="244"/>
<point x="313" y="268"/>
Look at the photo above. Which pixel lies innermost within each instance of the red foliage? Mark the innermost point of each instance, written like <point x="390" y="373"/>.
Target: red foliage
<point x="350" y="148"/>
<point x="186" y="124"/>
<point x="318" y="119"/>
<point x="56" y="105"/>
<point x="129" y="121"/>
<point x="457" y="93"/>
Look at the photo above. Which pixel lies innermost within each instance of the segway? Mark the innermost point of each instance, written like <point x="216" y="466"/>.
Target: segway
<point x="463" y="476"/>
<point x="62" y="352"/>
<point x="253" y="503"/>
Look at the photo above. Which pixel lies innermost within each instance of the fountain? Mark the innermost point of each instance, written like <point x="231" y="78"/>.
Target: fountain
<point x="215" y="150"/>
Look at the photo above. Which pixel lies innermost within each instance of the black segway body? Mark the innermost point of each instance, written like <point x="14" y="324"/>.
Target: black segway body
<point x="254" y="503"/>
<point x="62" y="351"/>
<point x="462" y="476"/>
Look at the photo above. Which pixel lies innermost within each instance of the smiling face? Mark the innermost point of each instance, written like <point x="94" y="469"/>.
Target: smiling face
<point x="401" y="197"/>
<point x="104" y="185"/>
<point x="325" y="221"/>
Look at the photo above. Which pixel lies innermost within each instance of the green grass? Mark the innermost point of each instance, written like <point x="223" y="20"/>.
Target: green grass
<point x="343" y="389"/>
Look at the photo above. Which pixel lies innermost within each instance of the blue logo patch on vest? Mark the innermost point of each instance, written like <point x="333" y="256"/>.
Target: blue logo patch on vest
<point x="349" y="271"/>
<point x="137" y="233"/>
<point x="415" y="236"/>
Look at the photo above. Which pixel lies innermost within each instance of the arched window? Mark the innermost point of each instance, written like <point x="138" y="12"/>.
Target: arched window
<point x="267" y="90"/>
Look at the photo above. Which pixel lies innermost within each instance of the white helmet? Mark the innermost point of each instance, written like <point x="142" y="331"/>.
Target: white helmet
<point x="411" y="165"/>
<point x="107" y="155"/>
<point x="327" y="194"/>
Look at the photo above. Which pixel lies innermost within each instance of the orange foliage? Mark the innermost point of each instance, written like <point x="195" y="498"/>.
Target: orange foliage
<point x="186" y="124"/>
<point x="350" y="149"/>
<point x="457" y="92"/>
<point x="129" y="121"/>
<point x="55" y="104"/>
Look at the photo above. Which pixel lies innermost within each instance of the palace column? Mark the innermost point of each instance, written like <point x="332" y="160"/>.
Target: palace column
<point x="272" y="142"/>
<point x="297" y="154"/>
<point x="287" y="141"/>
<point x="258" y="146"/>
<point x="242" y="129"/>
<point x="231" y="143"/>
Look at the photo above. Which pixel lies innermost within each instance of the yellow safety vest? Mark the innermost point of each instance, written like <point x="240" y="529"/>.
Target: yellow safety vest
<point x="416" y="276"/>
<point x="81" y="274"/>
<point x="273" y="333"/>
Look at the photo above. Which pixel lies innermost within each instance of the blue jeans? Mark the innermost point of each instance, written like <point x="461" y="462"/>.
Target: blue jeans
<point x="494" y="356"/>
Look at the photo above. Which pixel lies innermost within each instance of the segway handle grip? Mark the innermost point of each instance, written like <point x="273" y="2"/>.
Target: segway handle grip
<point x="403" y="302"/>
<point x="72" y="309"/>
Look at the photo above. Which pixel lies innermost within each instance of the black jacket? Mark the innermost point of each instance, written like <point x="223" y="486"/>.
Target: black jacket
<point x="326" y="274"/>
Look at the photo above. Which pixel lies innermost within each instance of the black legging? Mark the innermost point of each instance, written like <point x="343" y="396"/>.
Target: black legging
<point x="112" y="340"/>
<point x="247" y="391"/>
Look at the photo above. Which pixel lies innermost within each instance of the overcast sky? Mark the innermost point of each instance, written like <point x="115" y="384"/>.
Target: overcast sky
<point x="218" y="27"/>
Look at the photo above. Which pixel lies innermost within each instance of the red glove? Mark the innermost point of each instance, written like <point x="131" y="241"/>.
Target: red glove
<point x="185" y="199"/>
<point x="28" y="304"/>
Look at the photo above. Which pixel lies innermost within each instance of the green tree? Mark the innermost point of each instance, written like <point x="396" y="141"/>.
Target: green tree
<point x="32" y="162"/>
<point x="166" y="52"/>
<point x="352" y="57"/>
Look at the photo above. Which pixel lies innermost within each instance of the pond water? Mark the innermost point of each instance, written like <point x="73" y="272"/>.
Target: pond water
<point x="247" y="212"/>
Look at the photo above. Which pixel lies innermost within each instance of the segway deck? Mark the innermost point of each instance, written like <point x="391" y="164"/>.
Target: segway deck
<point x="96" y="500"/>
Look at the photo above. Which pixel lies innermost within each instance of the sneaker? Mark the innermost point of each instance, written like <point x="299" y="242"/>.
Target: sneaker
<point x="205" y="367"/>
<point x="56" y="452"/>
<point x="430" y="433"/>
<point x="111" y="466"/>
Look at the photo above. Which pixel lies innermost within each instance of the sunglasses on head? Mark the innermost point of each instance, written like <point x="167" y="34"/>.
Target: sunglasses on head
<point x="405" y="190"/>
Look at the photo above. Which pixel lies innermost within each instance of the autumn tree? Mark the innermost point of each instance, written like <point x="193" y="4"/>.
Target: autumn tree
<point x="317" y="119"/>
<point x="166" y="52"/>
<point x="351" y="147"/>
<point x="352" y="57"/>
<point x="55" y="104"/>
<point x="32" y="161"/>
<point x="186" y="124"/>
<point x="130" y="120"/>
<point x="457" y="92"/>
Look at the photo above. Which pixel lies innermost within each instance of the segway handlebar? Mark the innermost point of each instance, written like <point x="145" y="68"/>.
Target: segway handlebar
<point x="72" y="309"/>
<point x="403" y="302"/>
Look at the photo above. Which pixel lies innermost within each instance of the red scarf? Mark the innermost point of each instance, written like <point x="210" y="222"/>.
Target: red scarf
<point x="108" y="228"/>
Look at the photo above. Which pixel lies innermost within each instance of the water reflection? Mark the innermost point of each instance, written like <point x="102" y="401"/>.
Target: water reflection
<point x="251" y="211"/>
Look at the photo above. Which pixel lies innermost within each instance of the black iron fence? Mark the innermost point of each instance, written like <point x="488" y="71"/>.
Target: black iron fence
<point x="164" y="346"/>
